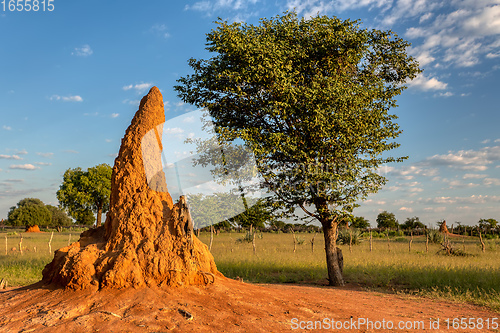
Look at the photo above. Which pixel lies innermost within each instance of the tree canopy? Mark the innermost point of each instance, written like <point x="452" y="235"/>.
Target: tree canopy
<point x="387" y="220"/>
<point x="29" y="212"/>
<point x="488" y="223"/>
<point x="311" y="99"/>
<point x="413" y="223"/>
<point x="359" y="222"/>
<point x="59" y="216"/>
<point x="83" y="193"/>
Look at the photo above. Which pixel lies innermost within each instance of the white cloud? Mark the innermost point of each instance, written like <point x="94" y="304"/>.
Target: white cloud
<point x="48" y="155"/>
<point x="75" y="98"/>
<point x="43" y="163"/>
<point x="485" y="141"/>
<point x="493" y="55"/>
<point x="24" y="167"/>
<point x="459" y="184"/>
<point x="424" y="83"/>
<point x="7" y="128"/>
<point x="21" y="152"/>
<point x="474" y="160"/>
<point x="188" y="119"/>
<point x="160" y="30"/>
<point x="409" y="172"/>
<point x="135" y="102"/>
<point x="446" y="94"/>
<point x="114" y="115"/>
<point x="484" y="22"/>
<point x="406" y="209"/>
<point x="139" y="87"/>
<point x="425" y="17"/>
<point x="474" y="176"/>
<point x="14" y="180"/>
<point x="424" y="58"/>
<point x="173" y="130"/>
<point x="491" y="181"/>
<point x="70" y="151"/>
<point x="10" y="157"/>
<point x="83" y="51"/>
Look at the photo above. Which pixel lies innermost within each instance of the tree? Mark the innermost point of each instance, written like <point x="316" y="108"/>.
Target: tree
<point x="257" y="215"/>
<point x="59" y="217"/>
<point x="412" y="223"/>
<point x="359" y="222"/>
<point x="488" y="223"/>
<point x="311" y="99"/>
<point x="83" y="193"/>
<point x="387" y="220"/>
<point x="29" y="212"/>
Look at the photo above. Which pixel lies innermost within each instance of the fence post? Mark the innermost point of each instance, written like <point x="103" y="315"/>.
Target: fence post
<point x="294" y="241"/>
<point x="211" y="237"/>
<point x="312" y="243"/>
<point x="350" y="240"/>
<point x="50" y="241"/>
<point x="21" y="244"/>
<point x="483" y="247"/>
<point x="388" y="242"/>
<point x="411" y="241"/>
<point x="426" y="242"/>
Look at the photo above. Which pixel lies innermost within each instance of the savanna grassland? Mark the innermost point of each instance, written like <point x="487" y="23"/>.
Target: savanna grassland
<point x="390" y="266"/>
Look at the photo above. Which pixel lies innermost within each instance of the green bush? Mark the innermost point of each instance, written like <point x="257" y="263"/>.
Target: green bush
<point x="435" y="236"/>
<point x="345" y="235"/>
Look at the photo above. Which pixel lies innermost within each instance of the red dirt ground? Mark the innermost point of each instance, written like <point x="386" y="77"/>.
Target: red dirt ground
<point x="226" y="306"/>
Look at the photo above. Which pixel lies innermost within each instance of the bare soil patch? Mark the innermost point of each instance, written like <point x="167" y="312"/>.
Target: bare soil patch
<point x="226" y="306"/>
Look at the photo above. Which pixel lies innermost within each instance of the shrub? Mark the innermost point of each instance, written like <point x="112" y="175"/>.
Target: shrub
<point x="344" y="236"/>
<point x="435" y="236"/>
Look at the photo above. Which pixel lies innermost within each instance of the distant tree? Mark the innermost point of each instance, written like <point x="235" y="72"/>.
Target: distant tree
<point x="387" y="220"/>
<point x="85" y="192"/>
<point x="29" y="212"/>
<point x="488" y="223"/>
<point x="360" y="223"/>
<point x="412" y="223"/>
<point x="258" y="215"/>
<point x="59" y="217"/>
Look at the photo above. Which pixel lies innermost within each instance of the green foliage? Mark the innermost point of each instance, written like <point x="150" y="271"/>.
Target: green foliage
<point x="85" y="192"/>
<point x="359" y="222"/>
<point x="311" y="100"/>
<point x="412" y="223"/>
<point x="59" y="217"/>
<point x="435" y="236"/>
<point x="488" y="223"/>
<point x="387" y="220"/>
<point x="345" y="236"/>
<point x="29" y="212"/>
<point x="258" y="215"/>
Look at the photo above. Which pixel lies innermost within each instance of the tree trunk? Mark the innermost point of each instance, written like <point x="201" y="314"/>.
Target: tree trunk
<point x="99" y="216"/>
<point x="334" y="259"/>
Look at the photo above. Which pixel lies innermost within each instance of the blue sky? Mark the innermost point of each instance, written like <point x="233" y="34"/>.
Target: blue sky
<point x="71" y="81"/>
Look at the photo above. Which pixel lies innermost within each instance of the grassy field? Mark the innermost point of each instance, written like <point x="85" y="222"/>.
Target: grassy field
<point x="474" y="278"/>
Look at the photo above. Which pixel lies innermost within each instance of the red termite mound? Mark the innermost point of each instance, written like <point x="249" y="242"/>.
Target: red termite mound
<point x="146" y="239"/>
<point x="443" y="228"/>
<point x="33" y="228"/>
